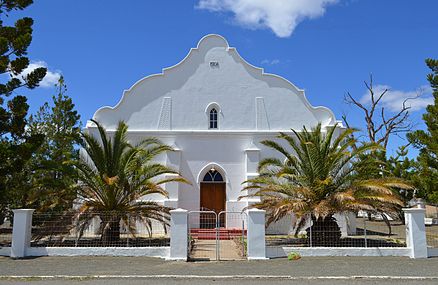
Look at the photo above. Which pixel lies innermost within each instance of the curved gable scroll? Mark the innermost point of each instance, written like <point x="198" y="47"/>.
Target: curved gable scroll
<point x="212" y="72"/>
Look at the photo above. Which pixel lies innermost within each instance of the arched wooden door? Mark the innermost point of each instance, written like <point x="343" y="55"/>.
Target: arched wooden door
<point x="213" y="196"/>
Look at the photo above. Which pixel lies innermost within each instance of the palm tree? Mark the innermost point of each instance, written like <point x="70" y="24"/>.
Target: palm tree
<point x="116" y="176"/>
<point x="319" y="177"/>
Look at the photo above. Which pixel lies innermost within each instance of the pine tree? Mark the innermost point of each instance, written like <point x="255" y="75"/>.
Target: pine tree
<point x="427" y="141"/>
<point x="16" y="147"/>
<point x="401" y="166"/>
<point x="51" y="177"/>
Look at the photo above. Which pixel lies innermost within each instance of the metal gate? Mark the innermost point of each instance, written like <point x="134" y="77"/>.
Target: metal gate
<point x="231" y="240"/>
<point x="216" y="236"/>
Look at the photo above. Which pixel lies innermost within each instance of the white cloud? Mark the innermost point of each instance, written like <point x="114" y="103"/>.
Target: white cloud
<point x="270" y="61"/>
<point x="393" y="99"/>
<point x="49" y="80"/>
<point x="281" y="16"/>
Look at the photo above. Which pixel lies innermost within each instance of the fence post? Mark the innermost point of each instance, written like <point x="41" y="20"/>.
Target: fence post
<point x="178" y="234"/>
<point x="416" y="232"/>
<point x="365" y="231"/>
<point x="21" y="232"/>
<point x="256" y="234"/>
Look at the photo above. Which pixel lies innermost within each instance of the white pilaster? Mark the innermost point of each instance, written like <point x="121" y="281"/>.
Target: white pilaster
<point x="173" y="159"/>
<point x="172" y="189"/>
<point x="416" y="232"/>
<point x="252" y="156"/>
<point x="252" y="159"/>
<point x="178" y="234"/>
<point x="21" y="232"/>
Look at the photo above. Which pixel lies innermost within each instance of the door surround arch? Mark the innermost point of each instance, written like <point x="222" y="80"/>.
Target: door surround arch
<point x="212" y="190"/>
<point x="207" y="168"/>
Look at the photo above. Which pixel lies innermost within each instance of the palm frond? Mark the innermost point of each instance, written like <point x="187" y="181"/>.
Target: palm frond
<point x="319" y="177"/>
<point x="119" y="178"/>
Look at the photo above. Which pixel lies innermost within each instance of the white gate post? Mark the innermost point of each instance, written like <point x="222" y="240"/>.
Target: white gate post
<point x="21" y="232"/>
<point x="256" y="234"/>
<point x="178" y="234"/>
<point x="416" y="232"/>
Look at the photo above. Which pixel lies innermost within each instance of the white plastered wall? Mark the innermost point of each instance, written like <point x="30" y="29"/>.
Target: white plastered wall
<point x="173" y="106"/>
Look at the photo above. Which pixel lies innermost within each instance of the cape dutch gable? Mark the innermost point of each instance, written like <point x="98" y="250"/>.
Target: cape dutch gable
<point x="214" y="73"/>
<point x="214" y="108"/>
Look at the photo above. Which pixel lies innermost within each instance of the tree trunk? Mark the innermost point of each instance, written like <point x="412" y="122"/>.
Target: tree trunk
<point x="2" y="216"/>
<point x="110" y="229"/>
<point x="325" y="232"/>
<point x="388" y="224"/>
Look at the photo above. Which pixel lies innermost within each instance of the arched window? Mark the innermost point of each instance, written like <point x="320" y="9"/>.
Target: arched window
<point x="213" y="176"/>
<point x="213" y="119"/>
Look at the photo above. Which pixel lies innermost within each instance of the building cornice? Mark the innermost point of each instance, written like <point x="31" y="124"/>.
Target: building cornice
<point x="205" y="132"/>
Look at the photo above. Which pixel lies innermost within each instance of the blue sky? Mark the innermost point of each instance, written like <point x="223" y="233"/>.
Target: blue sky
<point x="103" y="47"/>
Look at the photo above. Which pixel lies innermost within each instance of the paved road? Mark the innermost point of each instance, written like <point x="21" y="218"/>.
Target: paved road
<point x="307" y="266"/>
<point x="216" y="282"/>
<point x="339" y="267"/>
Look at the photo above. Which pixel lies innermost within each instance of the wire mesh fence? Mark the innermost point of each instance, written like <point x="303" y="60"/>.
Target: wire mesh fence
<point x="431" y="222"/>
<point x="281" y="226"/>
<point x="432" y="212"/>
<point x="96" y="230"/>
<point x="432" y="235"/>
<point x="6" y="232"/>
<point x="359" y="231"/>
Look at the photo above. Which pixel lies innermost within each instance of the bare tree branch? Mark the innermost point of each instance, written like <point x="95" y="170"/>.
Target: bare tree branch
<point x="380" y="127"/>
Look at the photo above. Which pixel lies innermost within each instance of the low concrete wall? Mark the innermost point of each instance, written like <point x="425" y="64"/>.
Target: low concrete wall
<point x="162" y="252"/>
<point x="283" y="251"/>
<point x="432" y="251"/>
<point x="5" y="251"/>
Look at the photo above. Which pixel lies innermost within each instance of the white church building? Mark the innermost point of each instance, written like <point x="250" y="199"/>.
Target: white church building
<point x="214" y="108"/>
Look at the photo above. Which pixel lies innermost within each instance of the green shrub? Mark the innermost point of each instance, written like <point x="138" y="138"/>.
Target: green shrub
<point x="293" y="256"/>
